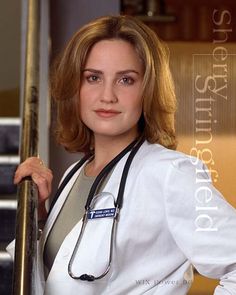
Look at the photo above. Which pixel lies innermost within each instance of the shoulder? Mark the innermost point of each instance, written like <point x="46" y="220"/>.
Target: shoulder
<point x="155" y="156"/>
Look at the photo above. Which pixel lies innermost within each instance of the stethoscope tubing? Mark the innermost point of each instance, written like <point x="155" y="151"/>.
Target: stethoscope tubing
<point x="134" y="147"/>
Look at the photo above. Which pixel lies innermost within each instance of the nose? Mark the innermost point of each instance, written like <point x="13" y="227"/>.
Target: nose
<point x="108" y="94"/>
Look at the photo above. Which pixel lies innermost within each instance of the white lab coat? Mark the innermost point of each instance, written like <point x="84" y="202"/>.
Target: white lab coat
<point x="172" y="218"/>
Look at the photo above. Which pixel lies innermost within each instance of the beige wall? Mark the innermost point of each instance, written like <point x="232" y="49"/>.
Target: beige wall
<point x="186" y="63"/>
<point x="189" y="59"/>
<point x="10" y="32"/>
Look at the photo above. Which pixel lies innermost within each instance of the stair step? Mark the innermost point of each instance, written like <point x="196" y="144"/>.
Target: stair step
<point x="5" y="256"/>
<point x="8" y="204"/>
<point x="10" y="121"/>
<point x="9" y="160"/>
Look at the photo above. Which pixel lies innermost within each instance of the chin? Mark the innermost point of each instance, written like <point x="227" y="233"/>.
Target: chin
<point x="117" y="134"/>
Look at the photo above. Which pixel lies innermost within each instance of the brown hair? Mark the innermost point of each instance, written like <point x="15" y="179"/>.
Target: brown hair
<point x="159" y="102"/>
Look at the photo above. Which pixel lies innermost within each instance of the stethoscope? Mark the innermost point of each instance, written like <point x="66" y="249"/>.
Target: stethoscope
<point x="133" y="147"/>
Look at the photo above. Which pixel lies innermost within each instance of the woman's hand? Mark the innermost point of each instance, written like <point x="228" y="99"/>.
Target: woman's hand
<point x="42" y="177"/>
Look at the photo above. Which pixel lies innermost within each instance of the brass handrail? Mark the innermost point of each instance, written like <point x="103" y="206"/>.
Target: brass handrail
<point x="26" y="218"/>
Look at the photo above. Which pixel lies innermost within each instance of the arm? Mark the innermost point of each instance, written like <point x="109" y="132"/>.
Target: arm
<point x="202" y="223"/>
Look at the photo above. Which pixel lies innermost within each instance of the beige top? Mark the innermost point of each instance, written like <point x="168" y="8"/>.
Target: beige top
<point x="71" y="212"/>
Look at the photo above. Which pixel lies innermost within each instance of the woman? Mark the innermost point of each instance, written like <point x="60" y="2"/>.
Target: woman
<point x="143" y="230"/>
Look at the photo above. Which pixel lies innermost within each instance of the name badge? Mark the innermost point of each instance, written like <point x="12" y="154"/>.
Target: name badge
<point x="101" y="213"/>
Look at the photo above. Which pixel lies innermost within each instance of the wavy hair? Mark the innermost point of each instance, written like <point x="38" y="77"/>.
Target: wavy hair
<point x="159" y="101"/>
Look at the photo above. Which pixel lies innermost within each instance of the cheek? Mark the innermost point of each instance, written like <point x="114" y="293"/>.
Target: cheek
<point x="82" y="95"/>
<point x="82" y="105"/>
<point x="137" y="104"/>
<point x="85" y="98"/>
<point x="139" y="107"/>
<point x="135" y="110"/>
<point x="88" y="96"/>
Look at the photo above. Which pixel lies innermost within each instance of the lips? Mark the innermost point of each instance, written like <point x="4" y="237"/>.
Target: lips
<point x="107" y="113"/>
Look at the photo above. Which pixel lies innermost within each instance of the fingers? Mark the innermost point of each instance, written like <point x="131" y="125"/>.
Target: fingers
<point x="44" y="184"/>
<point x="26" y="169"/>
<point x="40" y="174"/>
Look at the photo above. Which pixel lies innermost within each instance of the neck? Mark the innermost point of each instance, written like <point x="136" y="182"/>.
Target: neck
<point x="106" y="149"/>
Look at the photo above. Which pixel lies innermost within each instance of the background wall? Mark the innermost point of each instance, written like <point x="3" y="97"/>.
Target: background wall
<point x="10" y="21"/>
<point x="10" y="27"/>
<point x="188" y="60"/>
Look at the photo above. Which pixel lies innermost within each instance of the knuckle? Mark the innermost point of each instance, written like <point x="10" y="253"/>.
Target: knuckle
<point x="29" y="161"/>
<point x="50" y="175"/>
<point x="42" y="180"/>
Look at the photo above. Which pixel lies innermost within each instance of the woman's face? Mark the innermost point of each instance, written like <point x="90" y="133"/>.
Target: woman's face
<point x="111" y="89"/>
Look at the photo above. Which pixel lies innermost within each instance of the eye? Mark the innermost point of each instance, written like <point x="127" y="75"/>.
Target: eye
<point x="127" y="80"/>
<point x="92" y="78"/>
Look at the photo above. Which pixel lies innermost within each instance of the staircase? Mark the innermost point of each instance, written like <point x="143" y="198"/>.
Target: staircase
<point x="9" y="159"/>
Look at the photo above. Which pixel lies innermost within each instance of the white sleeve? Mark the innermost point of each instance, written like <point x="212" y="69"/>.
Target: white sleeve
<point x="202" y="223"/>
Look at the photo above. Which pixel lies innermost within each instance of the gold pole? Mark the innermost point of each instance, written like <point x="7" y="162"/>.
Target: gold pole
<point x="26" y="218"/>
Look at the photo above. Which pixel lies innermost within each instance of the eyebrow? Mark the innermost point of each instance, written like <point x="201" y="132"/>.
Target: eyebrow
<point x="119" y="72"/>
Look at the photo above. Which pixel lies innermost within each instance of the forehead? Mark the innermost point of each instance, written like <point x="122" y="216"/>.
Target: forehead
<point x="114" y="52"/>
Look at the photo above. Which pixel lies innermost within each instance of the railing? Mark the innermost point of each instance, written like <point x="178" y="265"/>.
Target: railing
<point x="26" y="219"/>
